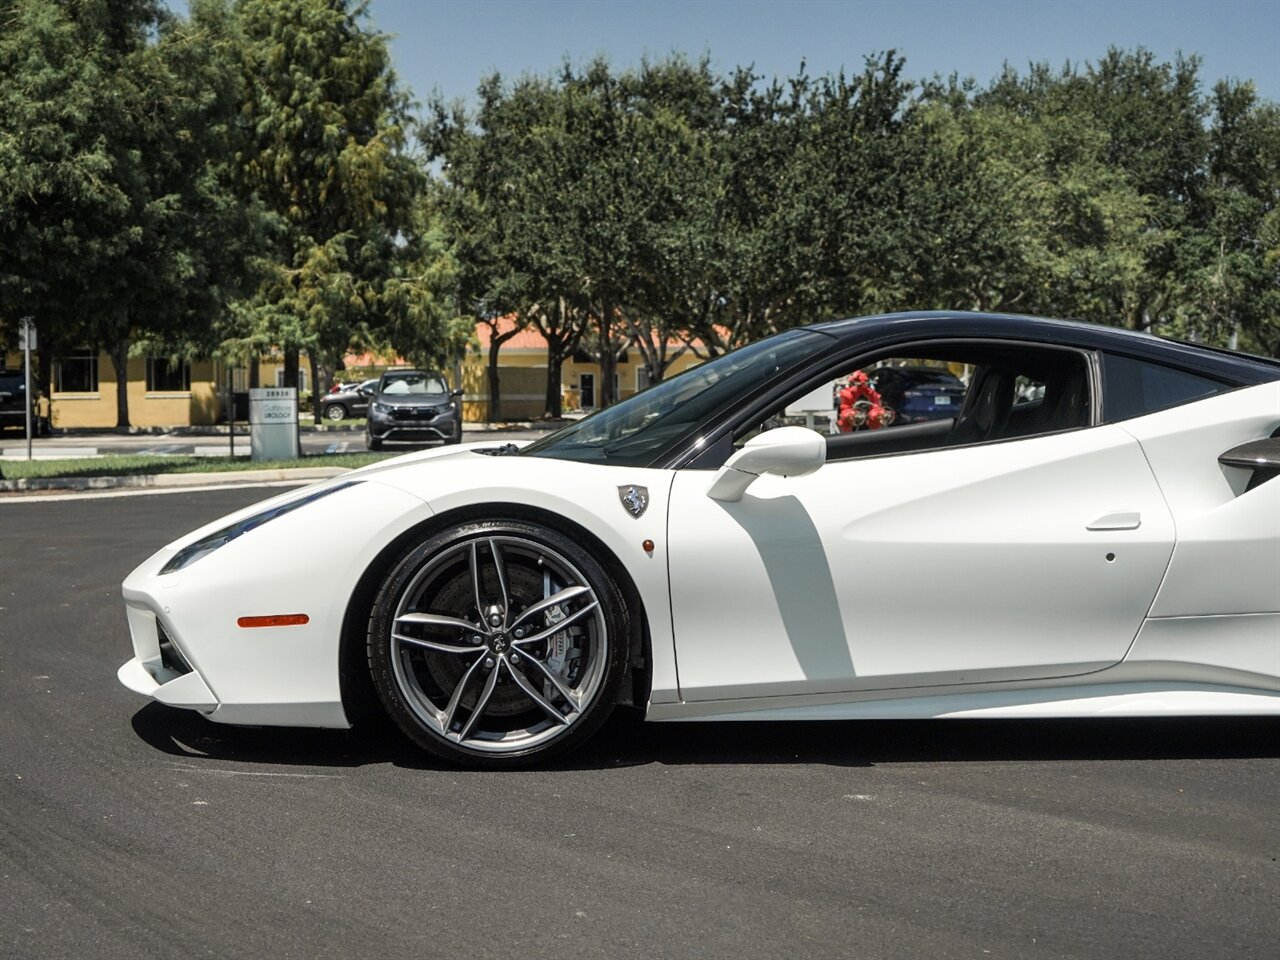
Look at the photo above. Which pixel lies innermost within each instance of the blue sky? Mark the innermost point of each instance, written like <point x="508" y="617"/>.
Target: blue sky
<point x="447" y="45"/>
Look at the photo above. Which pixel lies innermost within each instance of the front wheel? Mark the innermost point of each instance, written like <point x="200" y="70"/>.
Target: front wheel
<point x="498" y="643"/>
<point x="373" y="443"/>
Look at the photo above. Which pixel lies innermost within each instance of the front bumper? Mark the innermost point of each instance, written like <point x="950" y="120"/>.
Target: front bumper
<point x="189" y="650"/>
<point x="152" y="673"/>
<point x="401" y="426"/>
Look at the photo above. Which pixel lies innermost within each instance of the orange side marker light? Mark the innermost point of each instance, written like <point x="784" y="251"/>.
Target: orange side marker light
<point x="275" y="620"/>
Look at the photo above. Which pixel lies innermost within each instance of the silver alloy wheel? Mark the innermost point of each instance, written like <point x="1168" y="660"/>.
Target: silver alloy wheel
<point x="335" y="411"/>
<point x="498" y="644"/>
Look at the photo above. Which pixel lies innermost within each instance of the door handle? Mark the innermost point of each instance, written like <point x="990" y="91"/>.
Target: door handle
<point x="1126" y="520"/>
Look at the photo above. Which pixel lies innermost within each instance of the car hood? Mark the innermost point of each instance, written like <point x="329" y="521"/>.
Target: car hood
<point x="447" y="477"/>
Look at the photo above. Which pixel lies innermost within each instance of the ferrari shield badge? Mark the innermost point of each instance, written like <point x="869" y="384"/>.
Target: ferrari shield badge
<point x="634" y="499"/>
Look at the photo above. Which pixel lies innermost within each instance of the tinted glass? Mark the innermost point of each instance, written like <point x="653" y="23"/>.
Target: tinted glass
<point x="643" y="427"/>
<point x="1132" y="388"/>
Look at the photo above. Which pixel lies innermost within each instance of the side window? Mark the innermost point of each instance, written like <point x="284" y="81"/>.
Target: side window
<point x="1132" y="388"/>
<point x="940" y="395"/>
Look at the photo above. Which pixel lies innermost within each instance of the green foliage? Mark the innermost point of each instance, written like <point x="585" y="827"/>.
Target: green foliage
<point x="324" y="151"/>
<point x="116" y="224"/>
<point x="240" y="180"/>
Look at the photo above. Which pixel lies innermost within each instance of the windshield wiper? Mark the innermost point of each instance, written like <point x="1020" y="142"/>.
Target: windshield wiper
<point x="505" y="450"/>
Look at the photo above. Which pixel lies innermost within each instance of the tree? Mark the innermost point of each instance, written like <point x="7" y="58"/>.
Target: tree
<point x="1153" y="117"/>
<point x="1231" y="269"/>
<point x="116" y="213"/>
<point x="324" y="151"/>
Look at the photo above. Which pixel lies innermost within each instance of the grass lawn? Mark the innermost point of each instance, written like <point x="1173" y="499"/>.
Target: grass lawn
<point x="142" y="465"/>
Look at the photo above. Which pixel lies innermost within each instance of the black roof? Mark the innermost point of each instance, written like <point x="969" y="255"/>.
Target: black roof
<point x="887" y="329"/>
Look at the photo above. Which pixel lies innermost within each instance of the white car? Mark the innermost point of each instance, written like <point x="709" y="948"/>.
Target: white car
<point x="1111" y="548"/>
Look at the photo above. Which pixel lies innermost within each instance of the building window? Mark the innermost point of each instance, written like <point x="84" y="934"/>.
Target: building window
<point x="642" y="378"/>
<point x="167" y="376"/>
<point x="76" y="373"/>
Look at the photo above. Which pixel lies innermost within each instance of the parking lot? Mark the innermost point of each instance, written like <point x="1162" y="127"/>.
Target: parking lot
<point x="136" y="830"/>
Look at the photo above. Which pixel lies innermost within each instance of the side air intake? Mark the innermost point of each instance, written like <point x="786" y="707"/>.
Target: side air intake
<point x="1260" y="456"/>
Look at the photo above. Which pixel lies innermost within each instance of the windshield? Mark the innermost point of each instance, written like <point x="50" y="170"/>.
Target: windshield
<point x="641" y="428"/>
<point x="406" y="384"/>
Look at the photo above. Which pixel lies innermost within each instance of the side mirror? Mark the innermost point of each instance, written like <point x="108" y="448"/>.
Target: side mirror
<point x="456" y="393"/>
<point x="784" y="452"/>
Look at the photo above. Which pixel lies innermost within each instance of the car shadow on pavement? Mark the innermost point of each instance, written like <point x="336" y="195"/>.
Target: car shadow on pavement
<point x="626" y="740"/>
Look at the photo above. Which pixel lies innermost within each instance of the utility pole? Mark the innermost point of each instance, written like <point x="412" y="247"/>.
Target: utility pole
<point x="27" y="341"/>
<point x="231" y="408"/>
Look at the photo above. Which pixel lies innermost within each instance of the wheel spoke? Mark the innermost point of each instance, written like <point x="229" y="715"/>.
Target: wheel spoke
<point x="475" y="579"/>
<point x="569" y="696"/>
<point x="481" y="703"/>
<point x="556" y="627"/>
<point x="435" y="645"/>
<point x="437" y="620"/>
<point x="446" y="719"/>
<point x="563" y="596"/>
<point x="500" y="566"/>
<point x="533" y="694"/>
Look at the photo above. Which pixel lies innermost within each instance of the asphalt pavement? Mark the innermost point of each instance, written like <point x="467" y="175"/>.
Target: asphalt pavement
<point x="135" y="830"/>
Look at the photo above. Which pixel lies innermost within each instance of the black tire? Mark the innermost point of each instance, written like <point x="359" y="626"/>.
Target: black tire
<point x="513" y="687"/>
<point x="456" y="438"/>
<point x="373" y="443"/>
<point x="330" y="409"/>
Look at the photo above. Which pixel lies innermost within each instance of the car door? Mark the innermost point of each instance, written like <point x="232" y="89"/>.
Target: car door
<point x="1024" y="559"/>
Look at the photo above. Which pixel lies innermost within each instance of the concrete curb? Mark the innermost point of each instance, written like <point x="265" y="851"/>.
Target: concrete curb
<point x="168" y="480"/>
<point x="242" y="432"/>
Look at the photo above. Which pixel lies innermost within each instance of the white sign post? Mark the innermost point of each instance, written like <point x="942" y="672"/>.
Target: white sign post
<point x="273" y="423"/>
<point x="27" y="343"/>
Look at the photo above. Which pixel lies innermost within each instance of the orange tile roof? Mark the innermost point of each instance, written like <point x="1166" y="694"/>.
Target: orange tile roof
<point x="530" y="339"/>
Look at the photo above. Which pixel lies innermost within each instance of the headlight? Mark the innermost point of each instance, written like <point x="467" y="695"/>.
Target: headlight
<point x="381" y="407"/>
<point x="220" y="538"/>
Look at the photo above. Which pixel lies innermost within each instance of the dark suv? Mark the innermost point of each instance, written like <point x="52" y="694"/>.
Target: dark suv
<point x="13" y="409"/>
<point x="413" y="406"/>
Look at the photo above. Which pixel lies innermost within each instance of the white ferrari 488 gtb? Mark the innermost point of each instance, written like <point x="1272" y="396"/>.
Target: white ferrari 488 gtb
<point x="1048" y="519"/>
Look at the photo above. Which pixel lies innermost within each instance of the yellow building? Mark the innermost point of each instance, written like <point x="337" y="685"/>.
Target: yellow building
<point x="522" y="375"/>
<point x="84" y="391"/>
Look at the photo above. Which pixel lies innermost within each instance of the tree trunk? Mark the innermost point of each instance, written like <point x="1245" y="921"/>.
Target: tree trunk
<point x="608" y="359"/>
<point x="319" y="384"/>
<point x="495" y="392"/>
<point x="291" y="360"/>
<point x="255" y="374"/>
<point x="555" y="362"/>
<point x="120" y="362"/>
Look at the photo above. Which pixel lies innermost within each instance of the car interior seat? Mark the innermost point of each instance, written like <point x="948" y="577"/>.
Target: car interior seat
<point x="985" y="416"/>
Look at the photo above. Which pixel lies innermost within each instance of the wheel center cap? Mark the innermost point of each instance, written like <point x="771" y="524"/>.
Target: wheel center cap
<point x="498" y="643"/>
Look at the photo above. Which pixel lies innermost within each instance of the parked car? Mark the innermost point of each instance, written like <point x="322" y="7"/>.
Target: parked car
<point x="350" y="400"/>
<point x="1111" y="549"/>
<point x="13" y="408"/>
<point x="919" y="394"/>
<point x="413" y="407"/>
